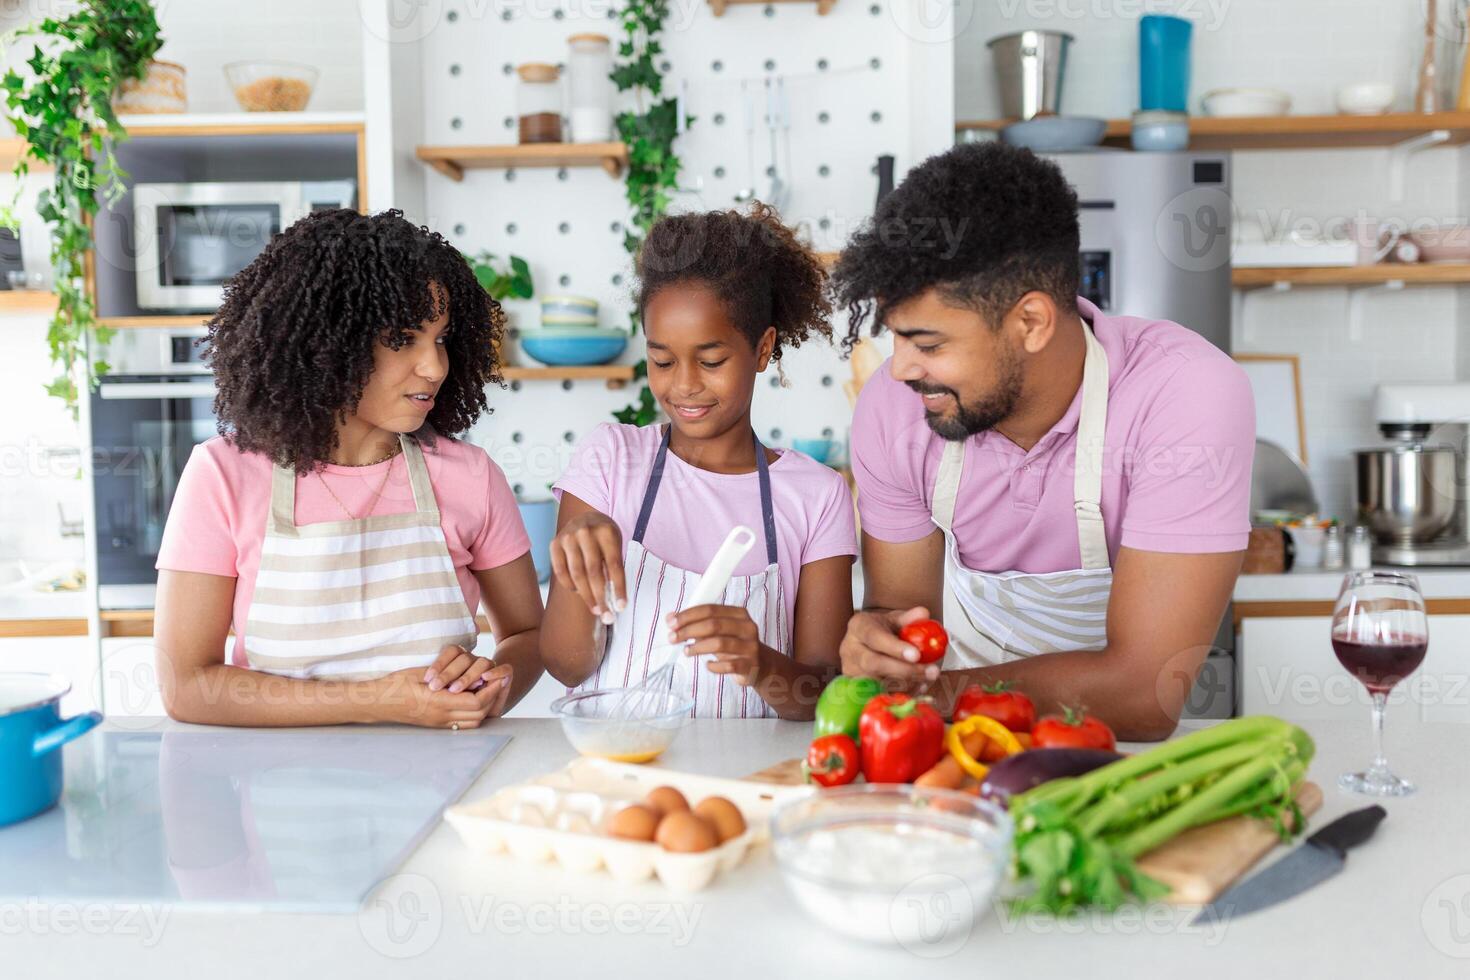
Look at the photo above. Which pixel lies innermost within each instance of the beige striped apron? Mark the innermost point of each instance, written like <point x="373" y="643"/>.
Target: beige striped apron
<point x="994" y="617"/>
<point x="355" y="599"/>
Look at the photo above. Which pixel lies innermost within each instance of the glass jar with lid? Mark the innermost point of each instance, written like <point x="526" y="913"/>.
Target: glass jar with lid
<point x="590" y="88"/>
<point x="538" y="103"/>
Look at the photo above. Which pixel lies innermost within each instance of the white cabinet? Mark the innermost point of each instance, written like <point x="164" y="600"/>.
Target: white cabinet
<point x="1286" y="667"/>
<point x="72" y="656"/>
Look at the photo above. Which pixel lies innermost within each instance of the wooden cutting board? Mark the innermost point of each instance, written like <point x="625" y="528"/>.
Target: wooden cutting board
<point x="1198" y="864"/>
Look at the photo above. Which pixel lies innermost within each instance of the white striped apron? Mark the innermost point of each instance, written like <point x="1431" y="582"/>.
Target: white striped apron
<point x="635" y="644"/>
<point x="994" y="617"/>
<point x="355" y="599"/>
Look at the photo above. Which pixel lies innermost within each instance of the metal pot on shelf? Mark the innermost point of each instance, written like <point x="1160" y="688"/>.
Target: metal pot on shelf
<point x="1029" y="67"/>
<point x="1405" y="491"/>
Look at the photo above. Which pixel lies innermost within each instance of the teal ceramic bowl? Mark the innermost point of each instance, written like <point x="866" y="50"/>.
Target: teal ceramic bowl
<point x="574" y="351"/>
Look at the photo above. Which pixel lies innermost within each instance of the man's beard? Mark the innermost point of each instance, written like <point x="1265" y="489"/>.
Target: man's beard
<point x="969" y="420"/>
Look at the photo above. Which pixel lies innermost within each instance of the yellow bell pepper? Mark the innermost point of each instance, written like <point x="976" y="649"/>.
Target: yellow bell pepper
<point x="954" y="740"/>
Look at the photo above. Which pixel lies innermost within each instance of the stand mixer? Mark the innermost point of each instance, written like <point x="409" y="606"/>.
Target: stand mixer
<point x="1412" y="493"/>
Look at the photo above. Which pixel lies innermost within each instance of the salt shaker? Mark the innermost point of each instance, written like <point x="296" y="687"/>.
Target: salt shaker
<point x="1360" y="549"/>
<point x="1332" y="556"/>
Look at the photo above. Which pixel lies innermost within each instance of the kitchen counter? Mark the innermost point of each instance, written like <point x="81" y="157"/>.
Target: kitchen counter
<point x="1401" y="908"/>
<point x="1318" y="585"/>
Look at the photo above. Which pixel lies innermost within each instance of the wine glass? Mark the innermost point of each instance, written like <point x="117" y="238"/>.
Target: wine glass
<point x="1380" y="633"/>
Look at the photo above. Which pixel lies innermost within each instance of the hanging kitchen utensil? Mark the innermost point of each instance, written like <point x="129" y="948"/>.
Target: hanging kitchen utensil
<point x="885" y="177"/>
<point x="783" y="115"/>
<point x="747" y="102"/>
<point x="777" y="192"/>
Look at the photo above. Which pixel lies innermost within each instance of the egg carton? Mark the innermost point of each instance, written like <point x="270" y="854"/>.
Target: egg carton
<point x="560" y="817"/>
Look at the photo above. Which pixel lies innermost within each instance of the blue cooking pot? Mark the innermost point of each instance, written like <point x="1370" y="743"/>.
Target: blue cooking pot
<point x="31" y="733"/>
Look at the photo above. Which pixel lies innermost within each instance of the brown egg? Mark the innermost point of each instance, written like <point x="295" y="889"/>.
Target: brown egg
<point x="685" y="833"/>
<point x="636" y="822"/>
<point x="667" y="800"/>
<point x="722" y="815"/>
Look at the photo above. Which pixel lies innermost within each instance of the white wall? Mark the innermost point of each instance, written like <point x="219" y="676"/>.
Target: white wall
<point x="1307" y="48"/>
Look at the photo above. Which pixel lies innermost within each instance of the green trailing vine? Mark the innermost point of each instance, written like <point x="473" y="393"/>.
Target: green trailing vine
<point x="63" y="109"/>
<point x="649" y="131"/>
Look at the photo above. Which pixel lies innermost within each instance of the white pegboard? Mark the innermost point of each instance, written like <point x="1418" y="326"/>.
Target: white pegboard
<point x="851" y="98"/>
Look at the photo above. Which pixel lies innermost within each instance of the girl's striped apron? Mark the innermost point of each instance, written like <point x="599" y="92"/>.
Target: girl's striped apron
<point x="355" y="599"/>
<point x="635" y="645"/>
<point x="993" y="617"/>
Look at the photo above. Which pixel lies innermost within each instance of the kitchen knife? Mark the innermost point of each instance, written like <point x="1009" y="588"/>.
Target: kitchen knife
<point x="1319" y="858"/>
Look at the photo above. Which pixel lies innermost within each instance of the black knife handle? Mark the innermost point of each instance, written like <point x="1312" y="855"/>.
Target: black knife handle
<point x="1350" y="830"/>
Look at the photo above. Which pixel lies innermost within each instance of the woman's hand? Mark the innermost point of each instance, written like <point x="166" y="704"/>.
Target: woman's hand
<point x="727" y="633"/>
<point x="586" y="554"/>
<point x="402" y="696"/>
<point x="456" y="669"/>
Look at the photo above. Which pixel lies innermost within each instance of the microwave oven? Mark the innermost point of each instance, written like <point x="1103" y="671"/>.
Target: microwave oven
<point x="190" y="238"/>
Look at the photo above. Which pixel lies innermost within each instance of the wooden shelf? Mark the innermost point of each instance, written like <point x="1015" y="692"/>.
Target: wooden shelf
<point x="453" y="161"/>
<point x="1290" y="132"/>
<point x="26" y="302"/>
<point x="616" y="375"/>
<point x="165" y="320"/>
<point x="824" y="7"/>
<point x="11" y="150"/>
<point x="1424" y="274"/>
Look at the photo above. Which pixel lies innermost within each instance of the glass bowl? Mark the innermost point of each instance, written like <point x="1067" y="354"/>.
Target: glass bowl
<point x="586" y="719"/>
<point x="895" y="864"/>
<point x="271" y="86"/>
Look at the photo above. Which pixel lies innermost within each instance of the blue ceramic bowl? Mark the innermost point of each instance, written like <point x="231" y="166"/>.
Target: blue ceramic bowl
<point x="1056" y="134"/>
<point x="574" y="351"/>
<point x="817" y="449"/>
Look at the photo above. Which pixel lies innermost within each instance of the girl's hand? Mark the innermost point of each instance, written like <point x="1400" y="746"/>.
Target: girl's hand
<point x="402" y="696"/>
<point x="456" y="669"/>
<point x="587" y="554"/>
<point x="727" y="633"/>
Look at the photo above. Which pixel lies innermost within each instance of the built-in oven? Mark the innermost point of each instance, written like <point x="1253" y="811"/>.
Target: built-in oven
<point x="149" y="411"/>
<point x="189" y="238"/>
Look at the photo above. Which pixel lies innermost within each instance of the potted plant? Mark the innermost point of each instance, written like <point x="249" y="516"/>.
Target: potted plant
<point x="62" y="107"/>
<point x="503" y="282"/>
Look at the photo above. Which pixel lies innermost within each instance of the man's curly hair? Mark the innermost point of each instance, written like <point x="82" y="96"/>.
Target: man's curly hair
<point x="984" y="223"/>
<point x="762" y="275"/>
<point x="292" y="344"/>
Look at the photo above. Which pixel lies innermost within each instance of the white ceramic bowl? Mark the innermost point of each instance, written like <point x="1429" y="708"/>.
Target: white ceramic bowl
<point x="1365" y="98"/>
<point x="1246" y="102"/>
<point x="1157" y="131"/>
<point x="904" y="865"/>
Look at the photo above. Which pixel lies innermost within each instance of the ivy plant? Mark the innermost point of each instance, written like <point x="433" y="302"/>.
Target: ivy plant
<point x="510" y="281"/>
<point x="649" y="130"/>
<point x="63" y="109"/>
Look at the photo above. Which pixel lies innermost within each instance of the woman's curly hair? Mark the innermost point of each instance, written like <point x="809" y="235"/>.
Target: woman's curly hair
<point x="762" y="275"/>
<point x="292" y="344"/>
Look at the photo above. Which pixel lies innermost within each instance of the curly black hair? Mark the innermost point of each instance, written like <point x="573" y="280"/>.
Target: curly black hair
<point x="984" y="223"/>
<point x="292" y="344"/>
<point x="762" y="275"/>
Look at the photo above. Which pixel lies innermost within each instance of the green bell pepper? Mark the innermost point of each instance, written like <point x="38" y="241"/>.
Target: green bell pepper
<point x="842" y="703"/>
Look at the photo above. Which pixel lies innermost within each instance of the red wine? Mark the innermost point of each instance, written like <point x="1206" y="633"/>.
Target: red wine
<point x="1381" y="665"/>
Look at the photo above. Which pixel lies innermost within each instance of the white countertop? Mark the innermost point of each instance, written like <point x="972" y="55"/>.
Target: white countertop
<point x="24" y="603"/>
<point x="1401" y="908"/>
<point x="1310" y="584"/>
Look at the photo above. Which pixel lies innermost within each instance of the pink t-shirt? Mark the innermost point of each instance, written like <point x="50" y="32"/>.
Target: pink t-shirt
<point x="217" y="522"/>
<point x="696" y="509"/>
<point x="1178" y="449"/>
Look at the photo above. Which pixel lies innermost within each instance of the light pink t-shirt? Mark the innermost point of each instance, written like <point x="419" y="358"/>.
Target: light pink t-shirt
<point x="217" y="522"/>
<point x="1178" y="450"/>
<point x="695" y="509"/>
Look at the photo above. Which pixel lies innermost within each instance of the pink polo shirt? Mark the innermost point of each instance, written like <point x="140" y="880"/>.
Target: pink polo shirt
<point x="1178" y="449"/>
<point x="217" y="522"/>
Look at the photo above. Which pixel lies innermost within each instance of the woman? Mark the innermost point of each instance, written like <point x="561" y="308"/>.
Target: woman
<point x="334" y="522"/>
<point x="722" y="295"/>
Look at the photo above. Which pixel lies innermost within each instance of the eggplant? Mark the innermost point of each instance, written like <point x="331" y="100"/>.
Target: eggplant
<point x="1016" y="774"/>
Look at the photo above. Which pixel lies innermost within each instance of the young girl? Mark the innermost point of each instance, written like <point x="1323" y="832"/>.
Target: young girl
<point x="721" y="296"/>
<point x="334" y="524"/>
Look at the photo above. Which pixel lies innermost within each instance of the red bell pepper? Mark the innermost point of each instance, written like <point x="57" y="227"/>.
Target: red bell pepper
<point x="901" y="738"/>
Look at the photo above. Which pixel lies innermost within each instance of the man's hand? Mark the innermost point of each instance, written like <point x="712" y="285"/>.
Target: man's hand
<point x="872" y="648"/>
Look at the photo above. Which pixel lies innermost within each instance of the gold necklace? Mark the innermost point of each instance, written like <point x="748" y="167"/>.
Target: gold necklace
<point x="371" y="504"/>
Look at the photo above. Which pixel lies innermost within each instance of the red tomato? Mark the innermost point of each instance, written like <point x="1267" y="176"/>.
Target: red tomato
<point x="928" y="637"/>
<point x="1011" y="708"/>
<point x="1074" y="730"/>
<point x="832" y="760"/>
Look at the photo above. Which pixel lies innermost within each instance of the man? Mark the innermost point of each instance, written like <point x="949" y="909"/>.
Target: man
<point x="1068" y="490"/>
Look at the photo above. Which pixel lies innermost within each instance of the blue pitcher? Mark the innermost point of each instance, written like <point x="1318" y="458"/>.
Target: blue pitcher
<point x="31" y="733"/>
